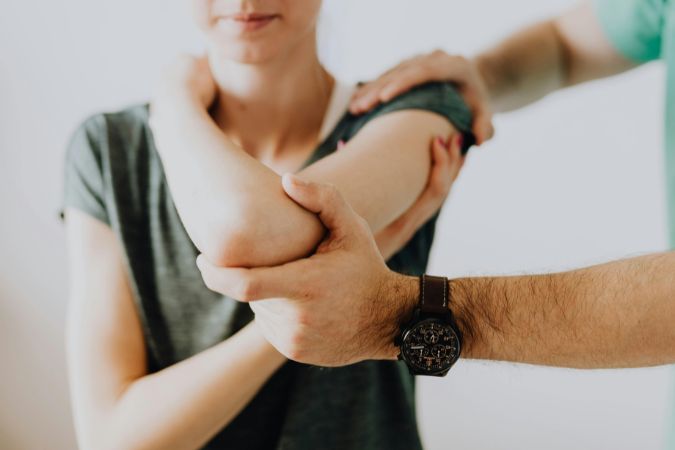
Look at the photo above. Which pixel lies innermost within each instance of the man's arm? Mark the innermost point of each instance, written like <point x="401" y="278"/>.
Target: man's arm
<point x="521" y="69"/>
<point x="560" y="52"/>
<point x="343" y="305"/>
<point x="620" y="314"/>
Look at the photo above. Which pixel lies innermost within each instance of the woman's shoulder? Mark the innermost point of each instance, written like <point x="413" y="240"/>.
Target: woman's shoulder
<point x="122" y="135"/>
<point x="441" y="98"/>
<point x="121" y="124"/>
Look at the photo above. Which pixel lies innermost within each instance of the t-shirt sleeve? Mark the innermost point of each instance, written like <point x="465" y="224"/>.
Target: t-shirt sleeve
<point x="84" y="187"/>
<point x="634" y="27"/>
<point x="437" y="97"/>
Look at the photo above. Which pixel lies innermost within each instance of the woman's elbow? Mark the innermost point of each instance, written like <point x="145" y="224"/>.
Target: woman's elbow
<point x="255" y="239"/>
<point x="231" y="250"/>
<point x="229" y="243"/>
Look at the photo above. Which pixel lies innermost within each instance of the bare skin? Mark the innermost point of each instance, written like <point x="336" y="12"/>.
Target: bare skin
<point x="343" y="305"/>
<point x="117" y="402"/>
<point x="228" y="217"/>
<point x="614" y="315"/>
<point x="530" y="64"/>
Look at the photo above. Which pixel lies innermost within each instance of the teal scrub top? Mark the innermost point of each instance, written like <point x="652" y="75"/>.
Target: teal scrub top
<point x="643" y="31"/>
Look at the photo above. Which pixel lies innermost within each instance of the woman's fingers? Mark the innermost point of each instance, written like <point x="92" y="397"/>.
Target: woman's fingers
<point x="456" y="159"/>
<point x="441" y="171"/>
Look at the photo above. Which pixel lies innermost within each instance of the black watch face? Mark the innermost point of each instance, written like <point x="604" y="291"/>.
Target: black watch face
<point x="430" y="346"/>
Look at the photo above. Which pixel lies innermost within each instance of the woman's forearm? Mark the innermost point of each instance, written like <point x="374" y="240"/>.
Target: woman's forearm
<point x="185" y="405"/>
<point x="232" y="206"/>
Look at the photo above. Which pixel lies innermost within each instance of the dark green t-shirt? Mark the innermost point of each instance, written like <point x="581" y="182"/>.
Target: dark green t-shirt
<point x="113" y="173"/>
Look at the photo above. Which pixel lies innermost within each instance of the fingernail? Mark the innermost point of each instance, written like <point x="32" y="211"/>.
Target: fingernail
<point x="298" y="181"/>
<point x="444" y="142"/>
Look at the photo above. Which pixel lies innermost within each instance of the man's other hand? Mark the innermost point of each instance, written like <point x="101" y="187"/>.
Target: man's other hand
<point x="435" y="66"/>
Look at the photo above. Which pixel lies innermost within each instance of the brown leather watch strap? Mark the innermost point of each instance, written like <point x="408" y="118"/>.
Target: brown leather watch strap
<point x="434" y="294"/>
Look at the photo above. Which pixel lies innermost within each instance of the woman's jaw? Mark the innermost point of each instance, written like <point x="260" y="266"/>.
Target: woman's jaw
<point x="263" y="57"/>
<point x="239" y="24"/>
<point x="256" y="31"/>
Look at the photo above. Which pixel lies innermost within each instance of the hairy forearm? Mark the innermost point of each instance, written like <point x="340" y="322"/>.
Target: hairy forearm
<point x="619" y="314"/>
<point x="564" y="51"/>
<point x="185" y="405"/>
<point x="524" y="67"/>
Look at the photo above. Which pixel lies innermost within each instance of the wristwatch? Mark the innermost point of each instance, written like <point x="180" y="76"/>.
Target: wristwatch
<point x="431" y="342"/>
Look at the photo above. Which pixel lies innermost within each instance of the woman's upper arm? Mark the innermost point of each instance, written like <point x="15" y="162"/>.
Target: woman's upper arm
<point x="381" y="172"/>
<point x="384" y="168"/>
<point x="104" y="339"/>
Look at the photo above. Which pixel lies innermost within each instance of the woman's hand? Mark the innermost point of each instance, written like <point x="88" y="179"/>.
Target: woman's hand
<point x="187" y="81"/>
<point x="435" y="66"/>
<point x="446" y="163"/>
<point x="184" y="92"/>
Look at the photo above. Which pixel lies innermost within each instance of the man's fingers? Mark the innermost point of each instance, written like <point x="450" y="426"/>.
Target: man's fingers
<point x="368" y="95"/>
<point x="252" y="284"/>
<point x="482" y="126"/>
<point x="325" y="201"/>
<point x="407" y="79"/>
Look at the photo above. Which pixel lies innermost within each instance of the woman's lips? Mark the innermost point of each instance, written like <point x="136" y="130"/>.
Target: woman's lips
<point x="247" y="21"/>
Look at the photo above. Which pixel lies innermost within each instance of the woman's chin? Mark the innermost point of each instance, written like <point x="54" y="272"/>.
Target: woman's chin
<point x="245" y="53"/>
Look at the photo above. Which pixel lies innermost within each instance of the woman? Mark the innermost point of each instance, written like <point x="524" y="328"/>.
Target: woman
<point x="156" y="360"/>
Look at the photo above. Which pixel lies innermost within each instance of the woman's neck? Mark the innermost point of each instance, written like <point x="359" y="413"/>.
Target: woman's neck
<point x="273" y="106"/>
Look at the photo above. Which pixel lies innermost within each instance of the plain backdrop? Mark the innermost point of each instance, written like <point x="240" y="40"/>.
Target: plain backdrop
<point x="573" y="180"/>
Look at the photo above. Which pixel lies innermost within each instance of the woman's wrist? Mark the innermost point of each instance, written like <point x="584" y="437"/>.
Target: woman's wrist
<point x="176" y="105"/>
<point x="259" y="340"/>
<point x="171" y="115"/>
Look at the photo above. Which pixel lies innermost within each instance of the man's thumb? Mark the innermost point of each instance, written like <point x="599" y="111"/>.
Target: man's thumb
<point x="322" y="199"/>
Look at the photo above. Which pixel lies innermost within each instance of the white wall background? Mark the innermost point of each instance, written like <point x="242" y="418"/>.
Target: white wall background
<point x="574" y="180"/>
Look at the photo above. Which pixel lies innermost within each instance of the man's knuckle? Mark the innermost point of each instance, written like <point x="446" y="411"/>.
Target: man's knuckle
<point x="295" y="347"/>
<point x="246" y="288"/>
<point x="208" y="280"/>
<point x="303" y="318"/>
<point x="363" y="224"/>
<point x="332" y="191"/>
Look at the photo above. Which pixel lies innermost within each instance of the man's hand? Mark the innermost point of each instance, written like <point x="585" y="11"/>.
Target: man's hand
<point x="446" y="163"/>
<point x="341" y="305"/>
<point x="436" y="66"/>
